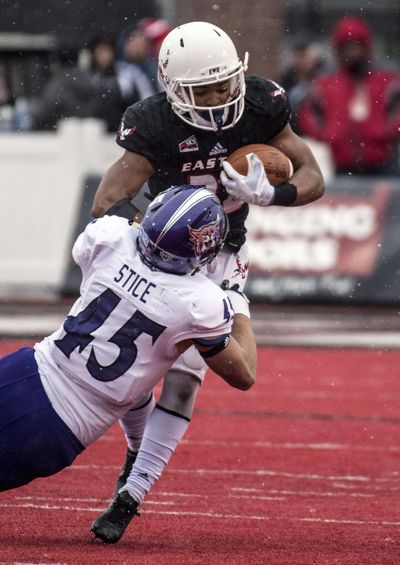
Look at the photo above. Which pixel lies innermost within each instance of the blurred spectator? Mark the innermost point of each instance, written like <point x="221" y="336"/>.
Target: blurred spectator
<point x="356" y="109"/>
<point x="5" y="94"/>
<point x="68" y="93"/>
<point x="137" y="71"/>
<point x="155" y="30"/>
<point x="110" y="103"/>
<point x="6" y="110"/>
<point x="307" y="63"/>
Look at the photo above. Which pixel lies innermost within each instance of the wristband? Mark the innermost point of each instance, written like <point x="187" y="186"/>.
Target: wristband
<point x="124" y="208"/>
<point x="285" y="194"/>
<point x="239" y="301"/>
<point x="216" y="349"/>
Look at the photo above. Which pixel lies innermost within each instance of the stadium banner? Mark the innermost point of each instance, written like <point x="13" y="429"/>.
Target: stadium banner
<point x="343" y="248"/>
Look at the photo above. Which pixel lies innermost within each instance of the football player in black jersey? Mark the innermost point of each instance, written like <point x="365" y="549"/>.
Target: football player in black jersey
<point x="183" y="136"/>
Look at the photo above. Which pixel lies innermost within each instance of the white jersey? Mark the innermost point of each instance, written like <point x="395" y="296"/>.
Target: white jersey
<point x="121" y="335"/>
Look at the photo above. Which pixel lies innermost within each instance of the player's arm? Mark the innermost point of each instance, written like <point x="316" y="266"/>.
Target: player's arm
<point x="123" y="180"/>
<point x="233" y="357"/>
<point x="237" y="362"/>
<point x="307" y="177"/>
<point x="304" y="186"/>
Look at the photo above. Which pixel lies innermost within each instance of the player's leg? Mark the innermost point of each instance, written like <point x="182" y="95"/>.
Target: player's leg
<point x="34" y="441"/>
<point x="157" y="438"/>
<point x="133" y="425"/>
<point x="164" y="430"/>
<point x="169" y="420"/>
<point x="180" y="387"/>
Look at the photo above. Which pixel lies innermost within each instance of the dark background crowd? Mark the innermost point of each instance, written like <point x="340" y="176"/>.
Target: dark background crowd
<point x="98" y="78"/>
<point x="342" y="81"/>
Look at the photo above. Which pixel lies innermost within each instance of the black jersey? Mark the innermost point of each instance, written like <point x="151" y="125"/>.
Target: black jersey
<point x="183" y="154"/>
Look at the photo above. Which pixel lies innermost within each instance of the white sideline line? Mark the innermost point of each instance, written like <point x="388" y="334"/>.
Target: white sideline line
<point x="29" y="563"/>
<point x="248" y="493"/>
<point x="212" y="515"/>
<point x="262" y="472"/>
<point x="289" y="445"/>
<point x="100" y="500"/>
<point x="15" y="326"/>
<point x="265" y="472"/>
<point x="272" y="445"/>
<point x="257" y="497"/>
<point x="153" y="502"/>
<point x="256" y="472"/>
<point x="296" y="493"/>
<point x="49" y="507"/>
<point x="63" y="499"/>
<point x="274" y="492"/>
<point x="387" y="482"/>
<point x="306" y="333"/>
<point x="105" y="500"/>
<point x="368" y="340"/>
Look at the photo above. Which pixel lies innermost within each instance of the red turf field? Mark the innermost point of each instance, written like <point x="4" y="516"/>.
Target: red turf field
<point x="303" y="469"/>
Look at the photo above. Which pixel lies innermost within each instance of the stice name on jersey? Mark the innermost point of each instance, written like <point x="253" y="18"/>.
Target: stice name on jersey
<point x="134" y="283"/>
<point x="200" y="165"/>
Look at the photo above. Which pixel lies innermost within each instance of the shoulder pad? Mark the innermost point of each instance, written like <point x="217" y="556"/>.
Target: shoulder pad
<point x="263" y="94"/>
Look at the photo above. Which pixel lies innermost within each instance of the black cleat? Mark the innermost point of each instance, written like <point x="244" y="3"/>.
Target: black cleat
<point x="110" y="526"/>
<point x="125" y="470"/>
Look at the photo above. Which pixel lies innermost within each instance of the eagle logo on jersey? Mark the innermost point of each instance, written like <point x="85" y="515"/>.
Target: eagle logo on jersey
<point x="278" y="92"/>
<point x="124" y="132"/>
<point x="241" y="269"/>
<point x="205" y="238"/>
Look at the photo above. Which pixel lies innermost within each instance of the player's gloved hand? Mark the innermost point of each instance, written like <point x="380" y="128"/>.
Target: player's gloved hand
<point x="238" y="299"/>
<point x="254" y="188"/>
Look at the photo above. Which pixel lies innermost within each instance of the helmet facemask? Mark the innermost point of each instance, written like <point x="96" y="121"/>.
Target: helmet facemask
<point x="182" y="98"/>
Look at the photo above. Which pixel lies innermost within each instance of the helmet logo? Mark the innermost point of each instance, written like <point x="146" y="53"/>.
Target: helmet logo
<point x="163" y="77"/>
<point x="214" y="70"/>
<point x="205" y="238"/>
<point x="164" y="62"/>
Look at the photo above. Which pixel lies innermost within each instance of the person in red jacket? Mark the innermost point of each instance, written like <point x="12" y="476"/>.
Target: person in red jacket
<point x="356" y="109"/>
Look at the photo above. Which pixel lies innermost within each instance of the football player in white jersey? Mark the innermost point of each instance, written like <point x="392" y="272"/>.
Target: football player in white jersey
<point x="138" y="310"/>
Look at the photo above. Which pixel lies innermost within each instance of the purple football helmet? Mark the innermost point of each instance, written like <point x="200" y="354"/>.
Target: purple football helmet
<point x="182" y="230"/>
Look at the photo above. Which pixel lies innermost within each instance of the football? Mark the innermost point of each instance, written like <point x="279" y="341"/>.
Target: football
<point x="278" y="167"/>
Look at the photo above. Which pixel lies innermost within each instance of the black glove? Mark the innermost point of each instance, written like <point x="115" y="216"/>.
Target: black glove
<point x="238" y="299"/>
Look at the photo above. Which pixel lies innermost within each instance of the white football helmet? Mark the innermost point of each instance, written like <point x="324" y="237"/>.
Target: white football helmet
<point x="198" y="54"/>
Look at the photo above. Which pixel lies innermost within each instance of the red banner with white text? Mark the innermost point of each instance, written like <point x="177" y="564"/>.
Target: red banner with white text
<point x="341" y="248"/>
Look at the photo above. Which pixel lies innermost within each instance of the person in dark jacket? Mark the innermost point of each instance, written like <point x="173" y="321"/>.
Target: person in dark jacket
<point x="307" y="63"/>
<point x="110" y="102"/>
<point x="68" y="93"/>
